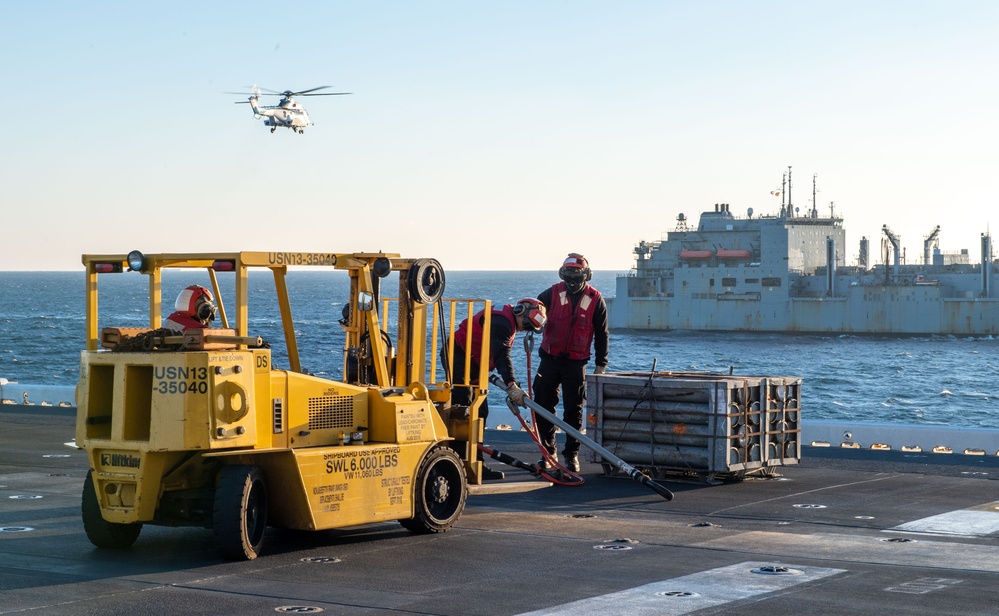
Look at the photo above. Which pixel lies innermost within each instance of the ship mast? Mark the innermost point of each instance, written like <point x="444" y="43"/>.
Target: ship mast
<point x="815" y="210"/>
<point x="790" y="208"/>
<point x="783" y="195"/>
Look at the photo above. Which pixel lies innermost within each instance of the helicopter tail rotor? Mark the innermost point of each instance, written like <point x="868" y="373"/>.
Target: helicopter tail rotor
<point x="253" y="101"/>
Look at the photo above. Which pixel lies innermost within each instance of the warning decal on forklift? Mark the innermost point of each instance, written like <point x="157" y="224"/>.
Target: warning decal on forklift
<point x="412" y="427"/>
<point x="396" y="488"/>
<point x="227" y="358"/>
<point x="362" y="464"/>
<point x="357" y="475"/>
<point x="330" y="496"/>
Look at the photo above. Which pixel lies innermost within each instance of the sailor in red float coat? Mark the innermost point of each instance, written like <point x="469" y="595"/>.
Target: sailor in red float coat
<point x="527" y="314"/>
<point x="502" y="332"/>
<point x="569" y="333"/>
<point x="577" y="319"/>
<point x="194" y="309"/>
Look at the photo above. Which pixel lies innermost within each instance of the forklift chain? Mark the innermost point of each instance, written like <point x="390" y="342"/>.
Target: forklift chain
<point x="147" y="341"/>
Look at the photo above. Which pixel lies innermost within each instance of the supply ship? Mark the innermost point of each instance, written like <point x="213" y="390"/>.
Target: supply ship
<point x="787" y="273"/>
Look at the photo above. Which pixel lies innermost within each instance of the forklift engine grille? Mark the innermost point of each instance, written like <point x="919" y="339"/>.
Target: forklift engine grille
<point x="331" y="412"/>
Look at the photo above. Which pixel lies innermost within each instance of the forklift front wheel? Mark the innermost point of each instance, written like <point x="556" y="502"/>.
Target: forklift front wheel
<point x="240" y="517"/>
<point x="102" y="533"/>
<point x="441" y="488"/>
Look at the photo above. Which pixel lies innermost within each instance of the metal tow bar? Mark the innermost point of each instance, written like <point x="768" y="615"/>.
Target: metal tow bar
<point x="623" y="466"/>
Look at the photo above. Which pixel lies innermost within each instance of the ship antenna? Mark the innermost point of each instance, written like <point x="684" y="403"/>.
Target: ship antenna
<point x="790" y="208"/>
<point x="815" y="210"/>
<point x="783" y="194"/>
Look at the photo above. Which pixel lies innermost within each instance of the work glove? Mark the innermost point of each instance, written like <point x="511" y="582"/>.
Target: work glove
<point x="599" y="369"/>
<point x="516" y="394"/>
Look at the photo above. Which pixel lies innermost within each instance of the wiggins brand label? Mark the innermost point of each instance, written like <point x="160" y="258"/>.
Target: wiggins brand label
<point x="301" y="258"/>
<point x="180" y="380"/>
<point x="120" y="460"/>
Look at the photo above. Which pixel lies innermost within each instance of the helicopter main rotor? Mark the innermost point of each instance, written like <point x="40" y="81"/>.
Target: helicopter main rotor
<point x="289" y="93"/>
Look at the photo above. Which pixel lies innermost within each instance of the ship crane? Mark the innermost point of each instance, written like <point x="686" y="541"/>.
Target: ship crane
<point x="929" y="242"/>
<point x="896" y="243"/>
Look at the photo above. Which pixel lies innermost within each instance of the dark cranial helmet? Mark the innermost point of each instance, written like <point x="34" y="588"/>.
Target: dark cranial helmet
<point x="575" y="272"/>
<point x="197" y="302"/>
<point x="531" y="313"/>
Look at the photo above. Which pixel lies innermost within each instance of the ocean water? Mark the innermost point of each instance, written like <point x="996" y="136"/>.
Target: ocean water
<point x="940" y="380"/>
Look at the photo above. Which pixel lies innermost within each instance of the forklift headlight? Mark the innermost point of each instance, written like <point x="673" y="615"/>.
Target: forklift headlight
<point x="382" y="267"/>
<point x="136" y="261"/>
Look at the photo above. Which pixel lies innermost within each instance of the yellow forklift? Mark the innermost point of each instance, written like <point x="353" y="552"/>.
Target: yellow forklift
<point x="201" y="428"/>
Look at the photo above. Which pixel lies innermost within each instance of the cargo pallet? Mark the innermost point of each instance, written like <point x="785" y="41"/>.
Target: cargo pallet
<point x="712" y="426"/>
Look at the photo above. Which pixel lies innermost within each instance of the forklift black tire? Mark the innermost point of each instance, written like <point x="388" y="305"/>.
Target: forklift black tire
<point x="440" y="492"/>
<point x="240" y="516"/>
<point x="102" y="533"/>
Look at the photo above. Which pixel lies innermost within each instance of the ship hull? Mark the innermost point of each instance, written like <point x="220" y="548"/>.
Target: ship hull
<point x="865" y="310"/>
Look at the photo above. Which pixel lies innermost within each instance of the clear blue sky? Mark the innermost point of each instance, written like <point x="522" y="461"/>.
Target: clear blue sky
<point x="490" y="135"/>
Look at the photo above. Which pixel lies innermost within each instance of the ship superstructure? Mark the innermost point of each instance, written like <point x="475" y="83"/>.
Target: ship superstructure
<point x="787" y="273"/>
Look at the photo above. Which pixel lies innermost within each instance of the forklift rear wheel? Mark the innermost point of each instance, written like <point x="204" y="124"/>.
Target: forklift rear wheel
<point x="240" y="517"/>
<point x="102" y="533"/>
<point x="441" y="488"/>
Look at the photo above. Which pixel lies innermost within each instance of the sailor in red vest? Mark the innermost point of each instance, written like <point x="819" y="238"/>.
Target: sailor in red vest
<point x="526" y="315"/>
<point x="577" y="319"/>
<point x="194" y="309"/>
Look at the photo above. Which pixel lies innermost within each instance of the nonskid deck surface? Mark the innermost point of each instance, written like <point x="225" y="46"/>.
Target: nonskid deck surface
<point x="844" y="532"/>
